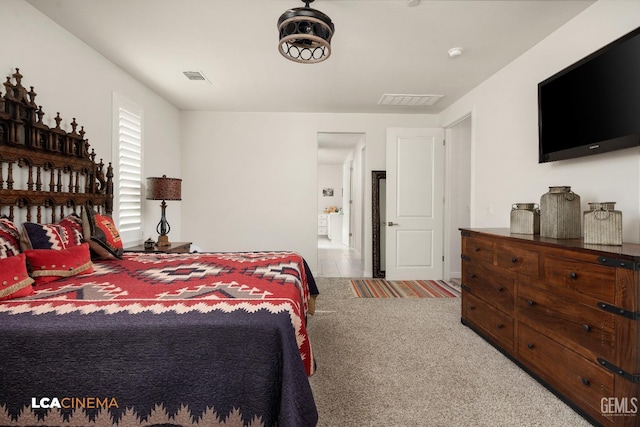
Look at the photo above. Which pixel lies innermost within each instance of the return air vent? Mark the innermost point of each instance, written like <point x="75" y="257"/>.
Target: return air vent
<point x="405" y="100"/>
<point x="196" y="76"/>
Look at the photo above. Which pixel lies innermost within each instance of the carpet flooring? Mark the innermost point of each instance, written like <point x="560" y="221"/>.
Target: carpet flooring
<point x="409" y="362"/>
<point x="380" y="288"/>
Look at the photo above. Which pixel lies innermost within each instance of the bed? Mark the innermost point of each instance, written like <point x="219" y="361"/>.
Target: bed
<point x="93" y="335"/>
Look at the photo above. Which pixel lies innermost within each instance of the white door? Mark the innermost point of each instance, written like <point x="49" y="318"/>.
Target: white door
<point x="415" y="204"/>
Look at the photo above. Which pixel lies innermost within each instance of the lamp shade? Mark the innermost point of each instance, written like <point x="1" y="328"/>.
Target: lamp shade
<point x="164" y="188"/>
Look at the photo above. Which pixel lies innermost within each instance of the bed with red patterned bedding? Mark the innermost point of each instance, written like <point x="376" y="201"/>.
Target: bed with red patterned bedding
<point x="163" y="339"/>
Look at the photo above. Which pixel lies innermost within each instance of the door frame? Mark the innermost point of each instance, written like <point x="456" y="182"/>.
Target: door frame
<point x="376" y="241"/>
<point x="449" y="228"/>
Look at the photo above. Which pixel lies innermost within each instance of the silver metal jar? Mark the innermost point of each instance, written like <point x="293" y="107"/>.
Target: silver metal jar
<point x="603" y="224"/>
<point x="560" y="215"/>
<point x="525" y="218"/>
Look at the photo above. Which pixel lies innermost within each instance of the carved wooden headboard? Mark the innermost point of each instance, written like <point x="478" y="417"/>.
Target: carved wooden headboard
<point x="46" y="172"/>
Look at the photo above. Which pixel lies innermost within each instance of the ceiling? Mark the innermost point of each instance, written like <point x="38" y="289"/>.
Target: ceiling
<point x="379" y="47"/>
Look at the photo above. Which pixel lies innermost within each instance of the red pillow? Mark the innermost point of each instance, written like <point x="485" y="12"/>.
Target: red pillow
<point x="14" y="278"/>
<point x="72" y="226"/>
<point x="101" y="233"/>
<point x="47" y="265"/>
<point x="9" y="238"/>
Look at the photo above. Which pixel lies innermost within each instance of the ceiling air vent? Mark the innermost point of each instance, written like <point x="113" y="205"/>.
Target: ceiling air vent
<point x="196" y="76"/>
<point x="405" y="100"/>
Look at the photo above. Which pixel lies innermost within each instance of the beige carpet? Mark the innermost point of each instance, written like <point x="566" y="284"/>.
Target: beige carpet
<point x="410" y="362"/>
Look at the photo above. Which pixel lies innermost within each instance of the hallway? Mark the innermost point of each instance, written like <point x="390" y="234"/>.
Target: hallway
<point x="337" y="260"/>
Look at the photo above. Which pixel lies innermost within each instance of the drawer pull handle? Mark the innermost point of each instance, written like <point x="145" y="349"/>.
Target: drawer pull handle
<point x="531" y="303"/>
<point x="500" y="289"/>
<point x="514" y="260"/>
<point x="530" y="345"/>
<point x="472" y="307"/>
<point x="586" y="327"/>
<point x="500" y="326"/>
<point x="573" y="275"/>
<point x="585" y="381"/>
<point x="473" y="276"/>
<point x="476" y="249"/>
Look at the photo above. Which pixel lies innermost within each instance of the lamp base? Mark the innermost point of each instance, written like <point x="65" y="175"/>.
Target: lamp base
<point x="163" y="241"/>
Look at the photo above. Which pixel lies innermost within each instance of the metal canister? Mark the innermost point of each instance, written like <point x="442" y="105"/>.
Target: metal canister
<point x="602" y="224"/>
<point x="525" y="218"/>
<point x="560" y="215"/>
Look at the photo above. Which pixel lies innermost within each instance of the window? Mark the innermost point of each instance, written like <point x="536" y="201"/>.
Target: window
<point x="127" y="209"/>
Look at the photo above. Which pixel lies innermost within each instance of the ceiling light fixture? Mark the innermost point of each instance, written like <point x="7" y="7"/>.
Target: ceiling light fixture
<point x="305" y="34"/>
<point x="413" y="3"/>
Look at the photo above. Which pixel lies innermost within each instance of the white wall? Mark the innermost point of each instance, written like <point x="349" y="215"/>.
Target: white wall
<point x="329" y="176"/>
<point x="73" y="79"/>
<point x="250" y="179"/>
<point x="505" y="134"/>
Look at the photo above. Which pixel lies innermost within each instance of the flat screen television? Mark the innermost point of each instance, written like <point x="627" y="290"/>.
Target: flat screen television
<point x="592" y="106"/>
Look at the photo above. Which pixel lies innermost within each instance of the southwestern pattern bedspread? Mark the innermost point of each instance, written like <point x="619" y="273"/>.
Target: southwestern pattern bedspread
<point x="163" y="339"/>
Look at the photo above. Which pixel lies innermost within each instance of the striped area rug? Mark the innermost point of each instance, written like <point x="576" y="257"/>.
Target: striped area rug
<point x="380" y="288"/>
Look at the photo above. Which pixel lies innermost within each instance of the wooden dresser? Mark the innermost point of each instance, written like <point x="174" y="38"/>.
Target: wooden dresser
<point x="566" y="312"/>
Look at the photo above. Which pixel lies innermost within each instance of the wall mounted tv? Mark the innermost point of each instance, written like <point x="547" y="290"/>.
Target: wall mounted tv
<point x="593" y="106"/>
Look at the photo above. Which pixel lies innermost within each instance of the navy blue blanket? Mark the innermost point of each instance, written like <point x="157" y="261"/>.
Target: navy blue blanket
<point x="170" y="359"/>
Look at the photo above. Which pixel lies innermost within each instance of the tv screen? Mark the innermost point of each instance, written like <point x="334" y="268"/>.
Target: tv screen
<point x="593" y="106"/>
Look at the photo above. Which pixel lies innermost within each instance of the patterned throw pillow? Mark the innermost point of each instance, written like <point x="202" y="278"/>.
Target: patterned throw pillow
<point x="65" y="233"/>
<point x="14" y="278"/>
<point x="47" y="265"/>
<point x="72" y="225"/>
<point x="9" y="238"/>
<point x="42" y="236"/>
<point x="101" y="233"/>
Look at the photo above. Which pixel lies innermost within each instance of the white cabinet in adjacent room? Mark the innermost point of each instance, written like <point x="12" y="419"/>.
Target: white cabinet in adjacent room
<point x="323" y="224"/>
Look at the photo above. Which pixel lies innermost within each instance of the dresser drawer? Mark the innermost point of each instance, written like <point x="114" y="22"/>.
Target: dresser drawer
<point x="517" y="260"/>
<point x="582" y="328"/>
<point x="593" y="280"/>
<point x="565" y="371"/>
<point x="494" y="322"/>
<point x="478" y="250"/>
<point x="490" y="285"/>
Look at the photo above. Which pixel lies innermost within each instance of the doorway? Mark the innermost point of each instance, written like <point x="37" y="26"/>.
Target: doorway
<point x="458" y="172"/>
<point x="340" y="204"/>
<point x="458" y="190"/>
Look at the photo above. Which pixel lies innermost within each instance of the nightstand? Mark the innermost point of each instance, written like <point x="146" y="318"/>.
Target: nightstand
<point x="175" y="248"/>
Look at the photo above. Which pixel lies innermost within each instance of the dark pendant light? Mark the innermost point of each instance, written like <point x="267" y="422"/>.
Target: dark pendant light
<point x="305" y="34"/>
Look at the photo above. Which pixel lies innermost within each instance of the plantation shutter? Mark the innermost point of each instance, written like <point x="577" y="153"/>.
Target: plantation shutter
<point x="128" y="207"/>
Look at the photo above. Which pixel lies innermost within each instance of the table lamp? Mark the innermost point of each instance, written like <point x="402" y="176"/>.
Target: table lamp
<point x="164" y="189"/>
